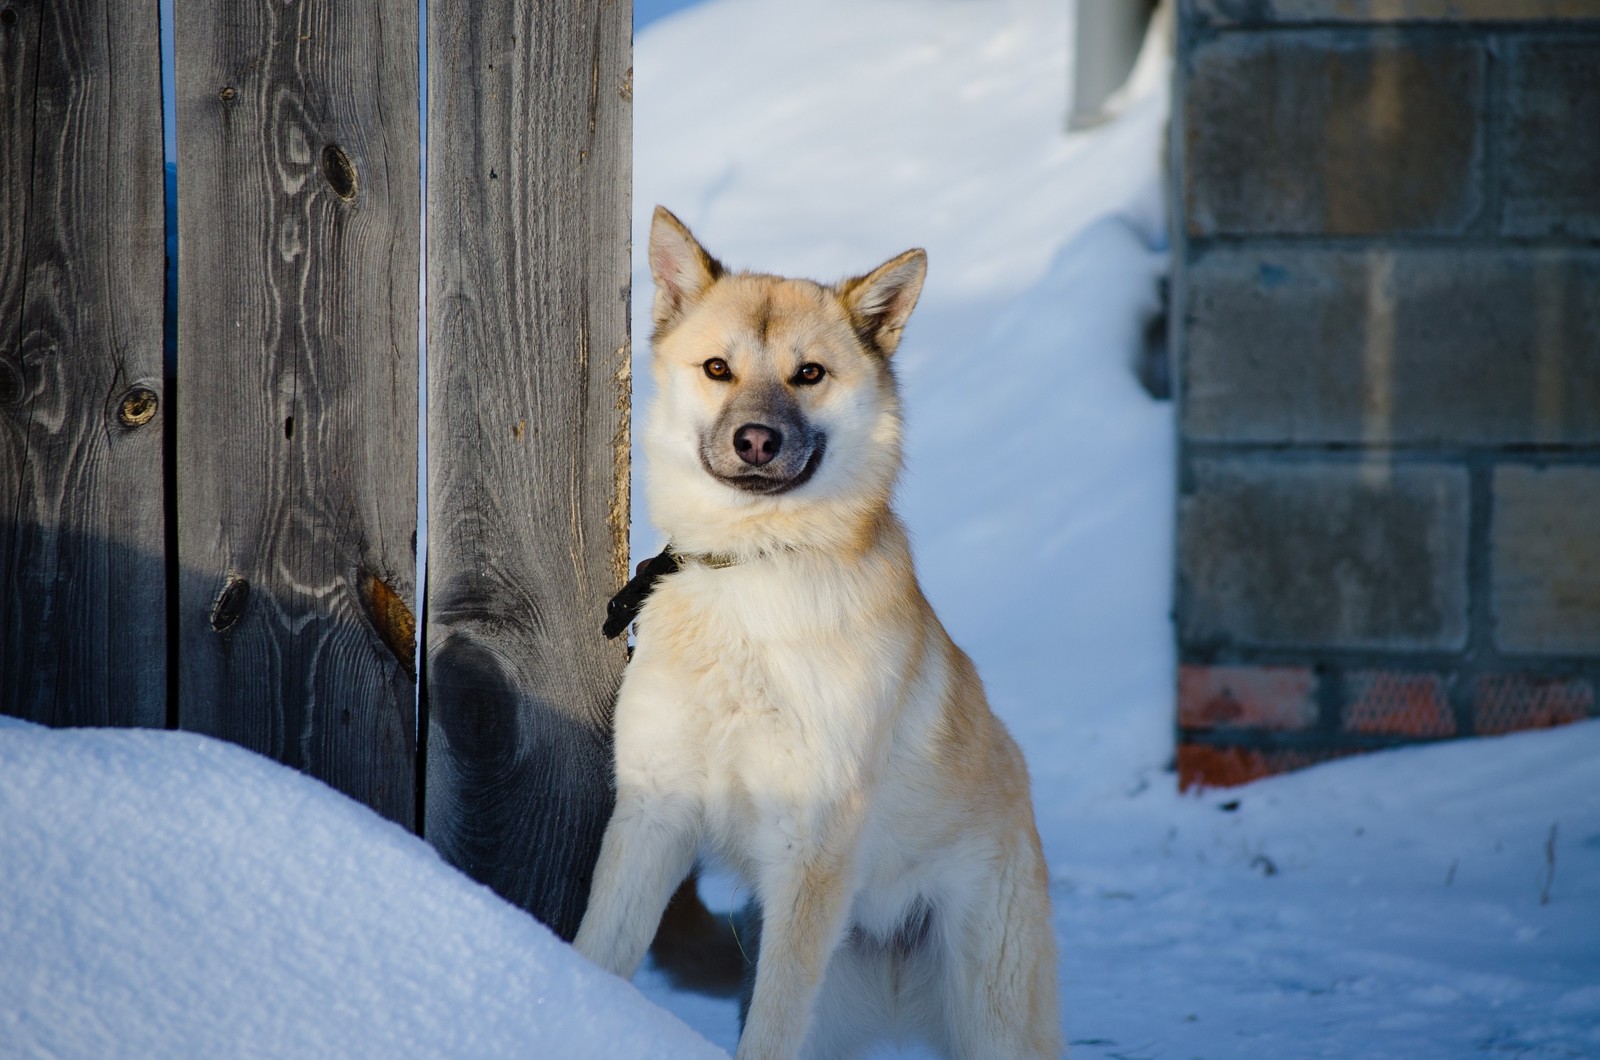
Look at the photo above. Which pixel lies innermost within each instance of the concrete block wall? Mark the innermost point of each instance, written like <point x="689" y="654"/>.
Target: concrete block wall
<point x="1387" y="350"/>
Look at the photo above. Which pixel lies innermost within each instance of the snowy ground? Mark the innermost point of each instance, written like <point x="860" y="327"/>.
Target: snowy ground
<point x="162" y="894"/>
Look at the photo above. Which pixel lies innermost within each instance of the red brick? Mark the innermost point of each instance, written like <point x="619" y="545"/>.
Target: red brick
<point x="1275" y="698"/>
<point x="1398" y="704"/>
<point x="1218" y="767"/>
<point x="1508" y="702"/>
<point x="1200" y="766"/>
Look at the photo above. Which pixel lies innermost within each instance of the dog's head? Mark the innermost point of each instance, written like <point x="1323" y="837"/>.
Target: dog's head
<point x="776" y="404"/>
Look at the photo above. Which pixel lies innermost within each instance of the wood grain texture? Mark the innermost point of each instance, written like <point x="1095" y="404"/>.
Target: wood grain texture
<point x="528" y="273"/>
<point x="298" y="203"/>
<point x="82" y="593"/>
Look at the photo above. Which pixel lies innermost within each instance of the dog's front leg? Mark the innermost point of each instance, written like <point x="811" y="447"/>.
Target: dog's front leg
<point x="805" y="901"/>
<point x="648" y="849"/>
<point x="654" y="833"/>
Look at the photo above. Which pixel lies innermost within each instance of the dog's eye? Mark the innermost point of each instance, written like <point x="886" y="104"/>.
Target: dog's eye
<point x="810" y="374"/>
<point x="718" y="369"/>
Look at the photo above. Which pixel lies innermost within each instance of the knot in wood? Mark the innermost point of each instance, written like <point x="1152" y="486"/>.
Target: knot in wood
<point x="391" y="618"/>
<point x="137" y="407"/>
<point x="8" y="17"/>
<point x="227" y="93"/>
<point x="340" y="172"/>
<point x="230" y="603"/>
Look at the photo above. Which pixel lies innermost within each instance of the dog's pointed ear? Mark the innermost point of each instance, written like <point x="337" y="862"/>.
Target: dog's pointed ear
<point x="880" y="302"/>
<point x="681" y="267"/>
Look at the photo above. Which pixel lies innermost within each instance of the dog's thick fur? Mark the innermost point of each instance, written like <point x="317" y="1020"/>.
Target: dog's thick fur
<point x="793" y="703"/>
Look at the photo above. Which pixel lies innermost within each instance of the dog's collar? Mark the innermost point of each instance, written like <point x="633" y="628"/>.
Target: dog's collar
<point x="626" y="605"/>
<point x="714" y="560"/>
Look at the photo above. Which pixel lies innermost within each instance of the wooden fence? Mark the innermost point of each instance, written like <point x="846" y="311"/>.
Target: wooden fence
<point x="230" y="547"/>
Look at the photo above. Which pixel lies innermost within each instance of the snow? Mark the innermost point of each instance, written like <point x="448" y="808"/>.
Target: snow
<point x="165" y="894"/>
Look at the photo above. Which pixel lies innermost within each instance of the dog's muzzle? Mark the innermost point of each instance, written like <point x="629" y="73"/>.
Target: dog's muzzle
<point x="765" y="461"/>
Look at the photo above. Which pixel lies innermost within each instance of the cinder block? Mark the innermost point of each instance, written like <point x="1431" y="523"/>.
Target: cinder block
<point x="1478" y="346"/>
<point x="1551" y="166"/>
<point x="1333" y="134"/>
<point x="1545" y="559"/>
<point x="1270" y="12"/>
<point x="1277" y="553"/>
<point x="1397" y="704"/>
<point x="1204" y="766"/>
<point x="1512" y="702"/>
<point x="1274" y="698"/>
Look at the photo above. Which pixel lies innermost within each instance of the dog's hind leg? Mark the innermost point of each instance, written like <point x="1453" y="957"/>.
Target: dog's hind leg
<point x="999" y="975"/>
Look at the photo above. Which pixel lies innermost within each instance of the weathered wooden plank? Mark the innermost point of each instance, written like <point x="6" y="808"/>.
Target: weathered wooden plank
<point x="82" y="589"/>
<point x="528" y="263"/>
<point x="298" y="206"/>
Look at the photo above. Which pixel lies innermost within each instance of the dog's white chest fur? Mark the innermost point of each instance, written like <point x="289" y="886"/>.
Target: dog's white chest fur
<point x="788" y="684"/>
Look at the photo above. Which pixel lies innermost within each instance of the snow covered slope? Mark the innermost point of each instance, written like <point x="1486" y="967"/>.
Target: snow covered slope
<point x="168" y="895"/>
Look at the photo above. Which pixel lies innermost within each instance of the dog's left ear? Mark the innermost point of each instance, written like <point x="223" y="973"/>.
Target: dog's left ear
<point x="880" y="302"/>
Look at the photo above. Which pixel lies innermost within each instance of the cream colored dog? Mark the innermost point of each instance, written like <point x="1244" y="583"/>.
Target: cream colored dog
<point x="793" y="705"/>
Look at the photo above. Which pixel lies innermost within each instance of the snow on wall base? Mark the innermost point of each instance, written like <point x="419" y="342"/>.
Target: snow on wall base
<point x="1238" y="723"/>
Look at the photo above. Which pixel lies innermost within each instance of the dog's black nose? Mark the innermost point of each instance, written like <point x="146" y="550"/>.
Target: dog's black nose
<point x="756" y="444"/>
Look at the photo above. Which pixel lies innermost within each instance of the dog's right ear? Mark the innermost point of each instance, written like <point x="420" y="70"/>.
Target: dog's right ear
<point x="681" y="267"/>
